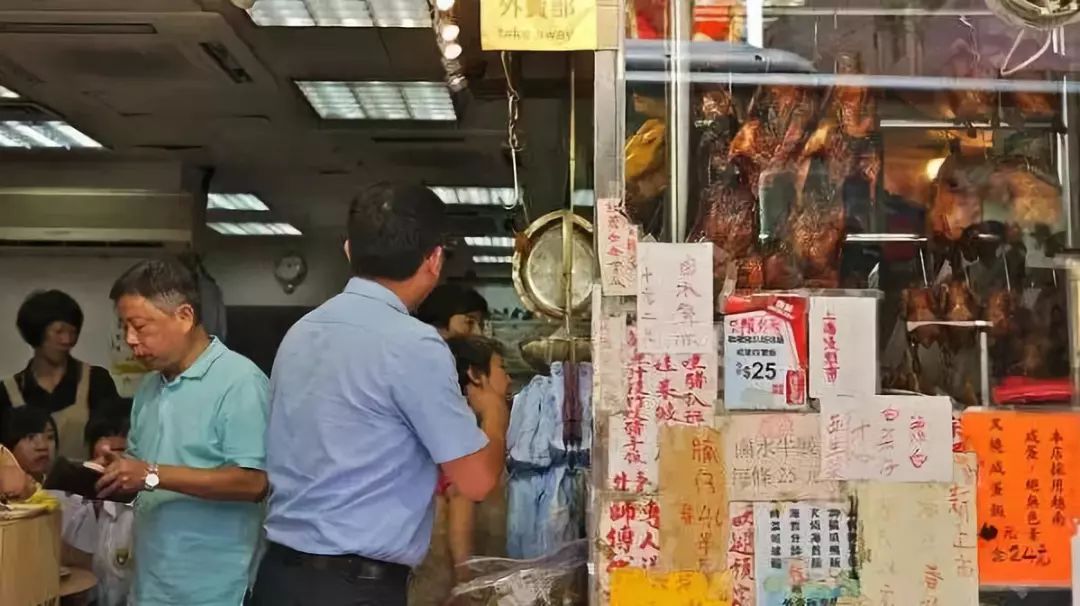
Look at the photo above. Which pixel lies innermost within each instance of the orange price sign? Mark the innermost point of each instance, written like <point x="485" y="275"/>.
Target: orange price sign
<point x="1027" y="497"/>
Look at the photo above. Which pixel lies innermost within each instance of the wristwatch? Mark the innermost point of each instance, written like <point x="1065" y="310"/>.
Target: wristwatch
<point x="152" y="480"/>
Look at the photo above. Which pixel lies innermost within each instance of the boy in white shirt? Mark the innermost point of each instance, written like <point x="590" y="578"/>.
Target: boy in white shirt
<point x="102" y="529"/>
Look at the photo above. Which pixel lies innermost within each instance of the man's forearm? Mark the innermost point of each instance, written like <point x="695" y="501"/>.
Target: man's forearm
<point x="494" y="425"/>
<point x="220" y="484"/>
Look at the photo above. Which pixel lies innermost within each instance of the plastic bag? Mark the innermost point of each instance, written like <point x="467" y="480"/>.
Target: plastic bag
<point x="558" y="579"/>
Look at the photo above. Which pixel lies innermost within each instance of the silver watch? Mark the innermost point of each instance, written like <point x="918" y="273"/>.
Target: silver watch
<point x="152" y="480"/>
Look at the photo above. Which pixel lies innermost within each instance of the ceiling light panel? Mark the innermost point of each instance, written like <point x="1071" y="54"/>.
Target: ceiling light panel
<point x="421" y="101"/>
<point x="341" y="13"/>
<point x="53" y="134"/>
<point x="253" y="228"/>
<point x="478" y="196"/>
<point x="7" y="93"/>
<point x="492" y="259"/>
<point x="489" y="241"/>
<point x="247" y="202"/>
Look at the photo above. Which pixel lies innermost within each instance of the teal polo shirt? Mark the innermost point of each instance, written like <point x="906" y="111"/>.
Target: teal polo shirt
<point x="190" y="551"/>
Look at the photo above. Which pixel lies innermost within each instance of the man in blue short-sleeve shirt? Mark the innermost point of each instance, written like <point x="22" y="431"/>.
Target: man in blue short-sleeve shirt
<point x="366" y="408"/>
<point x="195" y="450"/>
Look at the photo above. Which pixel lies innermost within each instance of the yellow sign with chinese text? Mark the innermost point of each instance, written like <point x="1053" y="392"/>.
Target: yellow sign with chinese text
<point x="636" y="587"/>
<point x="539" y="25"/>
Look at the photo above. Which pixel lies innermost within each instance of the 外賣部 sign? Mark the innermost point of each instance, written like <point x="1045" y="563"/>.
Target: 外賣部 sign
<point x="539" y="25"/>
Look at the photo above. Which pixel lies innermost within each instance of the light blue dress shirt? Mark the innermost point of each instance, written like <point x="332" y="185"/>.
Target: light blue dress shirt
<point x="191" y="551"/>
<point x="365" y="404"/>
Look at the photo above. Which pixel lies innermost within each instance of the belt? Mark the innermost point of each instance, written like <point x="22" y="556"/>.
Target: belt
<point x="356" y="566"/>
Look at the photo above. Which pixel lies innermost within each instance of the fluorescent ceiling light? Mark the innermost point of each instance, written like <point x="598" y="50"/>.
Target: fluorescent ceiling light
<point x="379" y="100"/>
<point x="248" y="202"/>
<point x="479" y="196"/>
<point x="49" y="134"/>
<point x="341" y="13"/>
<point x="7" y="93"/>
<point x="492" y="259"/>
<point x="253" y="228"/>
<point x="489" y="241"/>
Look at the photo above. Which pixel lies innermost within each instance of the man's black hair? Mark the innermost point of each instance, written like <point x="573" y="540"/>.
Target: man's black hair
<point x="25" y="421"/>
<point x="473" y="353"/>
<point x="447" y="301"/>
<point x="161" y="281"/>
<point x="41" y="309"/>
<point x="393" y="228"/>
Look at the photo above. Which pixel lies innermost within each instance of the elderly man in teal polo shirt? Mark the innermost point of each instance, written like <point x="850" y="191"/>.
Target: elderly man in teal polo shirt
<point x="196" y="448"/>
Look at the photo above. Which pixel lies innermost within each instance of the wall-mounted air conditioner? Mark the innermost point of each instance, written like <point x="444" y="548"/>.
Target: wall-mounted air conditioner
<point x="88" y="217"/>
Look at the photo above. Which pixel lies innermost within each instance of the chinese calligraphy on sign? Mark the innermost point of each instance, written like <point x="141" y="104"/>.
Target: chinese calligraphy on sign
<point x="919" y="541"/>
<point x="741" y="554"/>
<point x="765" y="353"/>
<point x="888" y="438"/>
<point x="538" y="25"/>
<point x="629" y="534"/>
<point x="843" y="346"/>
<point x="693" y="502"/>
<point x="685" y="588"/>
<point x="633" y="451"/>
<point x="675" y="298"/>
<point x="681" y="387"/>
<point x="1027" y="496"/>
<point x="803" y="552"/>
<point x="617" y="243"/>
<point x="775" y="457"/>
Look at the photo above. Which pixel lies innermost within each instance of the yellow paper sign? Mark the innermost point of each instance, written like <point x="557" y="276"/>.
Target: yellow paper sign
<point x="693" y="503"/>
<point x="538" y="25"/>
<point x="636" y="587"/>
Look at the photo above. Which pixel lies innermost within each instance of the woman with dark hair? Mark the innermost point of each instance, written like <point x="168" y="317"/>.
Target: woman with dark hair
<point x="54" y="381"/>
<point x="454" y="311"/>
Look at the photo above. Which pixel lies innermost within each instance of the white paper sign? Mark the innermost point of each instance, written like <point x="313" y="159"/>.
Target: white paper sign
<point x="633" y="451"/>
<point x="629" y="536"/>
<point x="843" y="346"/>
<point x="887" y="438"/>
<point x="1075" y="544"/>
<point x="609" y="357"/>
<point x="617" y="241"/>
<point x="675" y="298"/>
<point x="803" y="552"/>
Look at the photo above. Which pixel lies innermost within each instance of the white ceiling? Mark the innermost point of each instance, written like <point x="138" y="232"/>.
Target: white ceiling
<point x="139" y="76"/>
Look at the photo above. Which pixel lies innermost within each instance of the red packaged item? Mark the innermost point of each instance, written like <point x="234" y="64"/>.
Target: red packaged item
<point x="1027" y="390"/>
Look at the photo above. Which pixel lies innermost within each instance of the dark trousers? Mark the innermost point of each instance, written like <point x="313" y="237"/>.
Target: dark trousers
<point x="288" y="578"/>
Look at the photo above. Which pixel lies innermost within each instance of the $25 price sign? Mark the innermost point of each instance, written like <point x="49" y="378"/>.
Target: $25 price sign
<point x="765" y="352"/>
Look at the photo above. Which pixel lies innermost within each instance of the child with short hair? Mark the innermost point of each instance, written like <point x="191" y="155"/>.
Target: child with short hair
<point x="102" y="530"/>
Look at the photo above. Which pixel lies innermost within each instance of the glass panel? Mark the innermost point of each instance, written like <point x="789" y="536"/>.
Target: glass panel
<point x="922" y="150"/>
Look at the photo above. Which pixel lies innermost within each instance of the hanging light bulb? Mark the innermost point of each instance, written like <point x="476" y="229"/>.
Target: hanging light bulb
<point x="444" y="5"/>
<point x="450" y="32"/>
<point x="933" y="167"/>
<point x="452" y="50"/>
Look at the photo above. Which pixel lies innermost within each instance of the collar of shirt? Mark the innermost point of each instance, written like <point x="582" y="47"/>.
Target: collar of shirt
<point x="202" y="364"/>
<point x="373" y="290"/>
<point x="63" y="393"/>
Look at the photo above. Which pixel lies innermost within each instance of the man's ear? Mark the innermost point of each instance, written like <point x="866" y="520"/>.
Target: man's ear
<point x="475" y="379"/>
<point x="435" y="261"/>
<point x="348" y="252"/>
<point x="186" y="313"/>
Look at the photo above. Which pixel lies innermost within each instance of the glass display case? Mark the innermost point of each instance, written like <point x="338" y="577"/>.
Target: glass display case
<point x="923" y="153"/>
